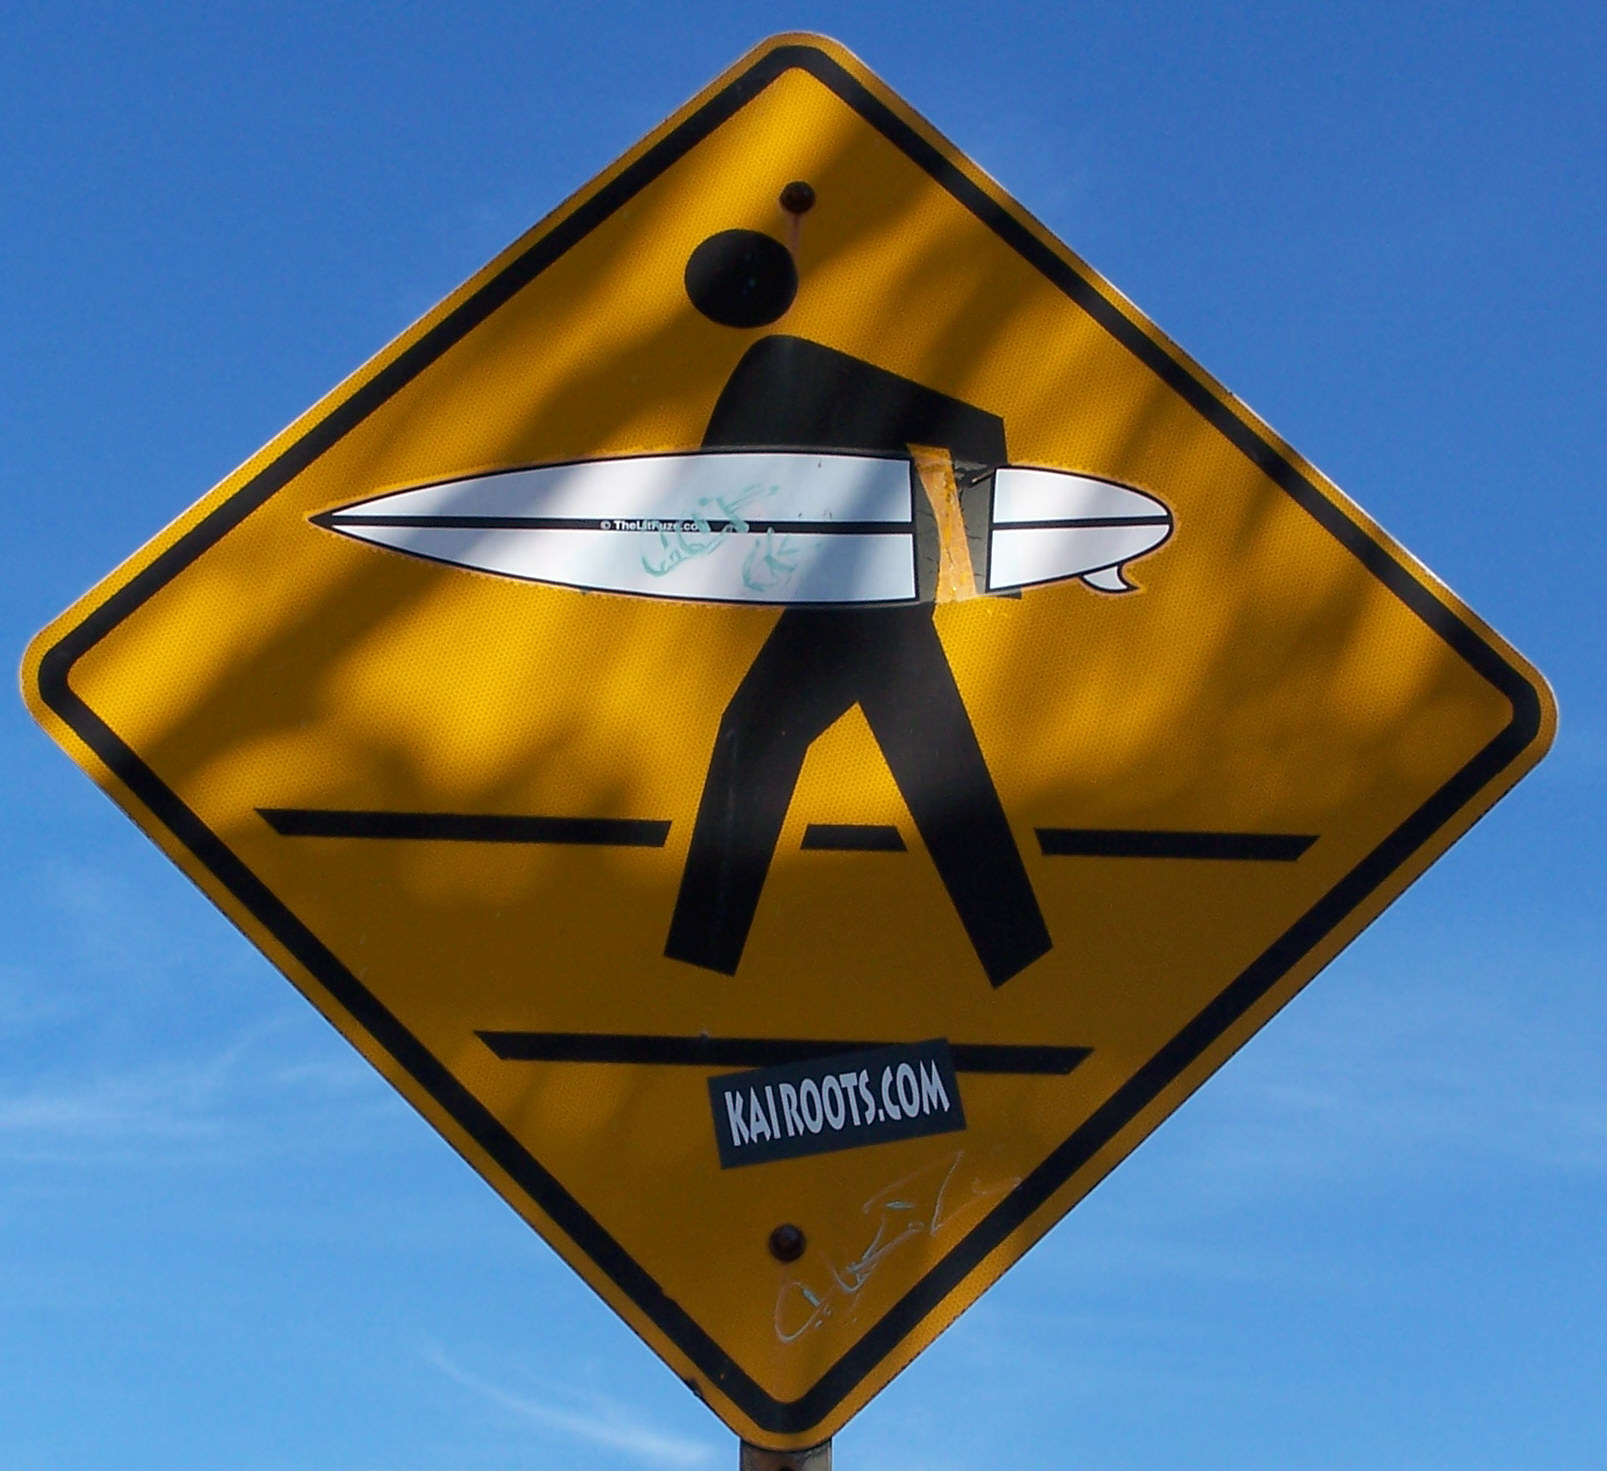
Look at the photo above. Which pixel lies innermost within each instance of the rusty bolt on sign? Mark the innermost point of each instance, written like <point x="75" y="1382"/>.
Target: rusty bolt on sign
<point x="787" y="1243"/>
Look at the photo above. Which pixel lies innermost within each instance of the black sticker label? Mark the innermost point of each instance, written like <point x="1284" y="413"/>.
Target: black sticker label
<point x="830" y="1103"/>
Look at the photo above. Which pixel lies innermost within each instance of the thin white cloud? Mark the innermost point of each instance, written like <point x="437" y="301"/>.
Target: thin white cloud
<point x="169" y="1102"/>
<point x="604" y="1423"/>
<point x="1480" y="1108"/>
<point x="243" y="1095"/>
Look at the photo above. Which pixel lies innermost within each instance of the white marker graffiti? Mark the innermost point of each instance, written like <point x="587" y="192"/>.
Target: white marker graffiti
<point x="924" y="1203"/>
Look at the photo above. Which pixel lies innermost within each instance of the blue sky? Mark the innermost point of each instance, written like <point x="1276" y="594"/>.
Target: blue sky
<point x="1374" y="1240"/>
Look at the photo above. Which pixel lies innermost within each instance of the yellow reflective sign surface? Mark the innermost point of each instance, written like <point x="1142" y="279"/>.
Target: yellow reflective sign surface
<point x="846" y="649"/>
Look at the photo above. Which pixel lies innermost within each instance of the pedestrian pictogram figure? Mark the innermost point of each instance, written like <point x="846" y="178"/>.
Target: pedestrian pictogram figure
<point x="788" y="393"/>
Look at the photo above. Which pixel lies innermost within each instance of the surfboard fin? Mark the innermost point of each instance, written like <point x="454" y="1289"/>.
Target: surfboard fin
<point x="1108" y="579"/>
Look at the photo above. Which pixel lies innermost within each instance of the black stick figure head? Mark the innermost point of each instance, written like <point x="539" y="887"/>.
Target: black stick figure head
<point x="740" y="278"/>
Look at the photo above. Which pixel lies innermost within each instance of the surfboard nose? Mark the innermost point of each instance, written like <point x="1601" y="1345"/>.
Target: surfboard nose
<point x="1049" y="525"/>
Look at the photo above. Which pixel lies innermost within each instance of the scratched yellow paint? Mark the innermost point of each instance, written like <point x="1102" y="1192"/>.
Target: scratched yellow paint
<point x="1264" y="678"/>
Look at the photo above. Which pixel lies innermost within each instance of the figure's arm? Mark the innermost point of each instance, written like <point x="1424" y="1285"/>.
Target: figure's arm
<point x="956" y="578"/>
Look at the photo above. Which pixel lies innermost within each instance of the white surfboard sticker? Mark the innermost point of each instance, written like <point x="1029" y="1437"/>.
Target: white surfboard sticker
<point x="748" y="526"/>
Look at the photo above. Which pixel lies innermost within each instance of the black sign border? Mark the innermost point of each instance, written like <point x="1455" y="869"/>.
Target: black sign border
<point x="790" y="1417"/>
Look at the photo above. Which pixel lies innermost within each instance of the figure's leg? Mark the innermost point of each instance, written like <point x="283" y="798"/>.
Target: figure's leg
<point x="800" y="683"/>
<point x="919" y="720"/>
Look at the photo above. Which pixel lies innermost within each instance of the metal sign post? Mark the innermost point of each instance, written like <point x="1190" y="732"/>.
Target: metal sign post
<point x="815" y="1458"/>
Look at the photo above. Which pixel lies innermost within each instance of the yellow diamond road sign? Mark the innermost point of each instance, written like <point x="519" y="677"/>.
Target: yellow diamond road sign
<point x="792" y="724"/>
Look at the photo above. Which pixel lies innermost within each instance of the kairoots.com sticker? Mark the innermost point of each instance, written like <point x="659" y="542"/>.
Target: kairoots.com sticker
<point x="841" y="1102"/>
